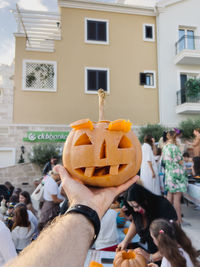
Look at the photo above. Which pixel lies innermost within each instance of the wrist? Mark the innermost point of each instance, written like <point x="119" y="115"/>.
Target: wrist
<point x="89" y="213"/>
<point x="151" y="258"/>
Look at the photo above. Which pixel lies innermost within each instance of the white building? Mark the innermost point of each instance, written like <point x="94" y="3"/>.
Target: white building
<point x="178" y="35"/>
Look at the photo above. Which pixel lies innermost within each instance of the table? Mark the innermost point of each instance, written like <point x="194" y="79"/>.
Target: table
<point x="97" y="255"/>
<point x="193" y="193"/>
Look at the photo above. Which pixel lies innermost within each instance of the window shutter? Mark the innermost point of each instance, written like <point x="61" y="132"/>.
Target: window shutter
<point x="142" y="78"/>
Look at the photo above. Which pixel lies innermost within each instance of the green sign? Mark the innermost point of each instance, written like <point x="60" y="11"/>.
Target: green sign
<point x="46" y="136"/>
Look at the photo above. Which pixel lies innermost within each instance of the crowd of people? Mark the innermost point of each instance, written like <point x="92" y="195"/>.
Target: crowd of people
<point x="151" y="205"/>
<point x="168" y="165"/>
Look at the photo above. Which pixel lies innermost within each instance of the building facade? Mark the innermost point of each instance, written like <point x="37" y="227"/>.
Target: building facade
<point x="178" y="30"/>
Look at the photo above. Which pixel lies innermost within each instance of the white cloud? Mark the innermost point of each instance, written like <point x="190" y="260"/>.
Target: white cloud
<point x="7" y="51"/>
<point x="4" y="4"/>
<point x="32" y="5"/>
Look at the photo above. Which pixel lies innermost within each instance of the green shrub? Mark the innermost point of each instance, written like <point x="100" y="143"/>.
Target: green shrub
<point x="42" y="153"/>
<point x="156" y="130"/>
<point x="192" y="87"/>
<point x="188" y="127"/>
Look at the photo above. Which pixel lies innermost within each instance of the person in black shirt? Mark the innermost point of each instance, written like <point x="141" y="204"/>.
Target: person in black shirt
<point x="145" y="207"/>
<point x="49" y="165"/>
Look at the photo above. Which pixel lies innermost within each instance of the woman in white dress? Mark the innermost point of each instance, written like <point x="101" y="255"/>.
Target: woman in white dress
<point x="149" y="171"/>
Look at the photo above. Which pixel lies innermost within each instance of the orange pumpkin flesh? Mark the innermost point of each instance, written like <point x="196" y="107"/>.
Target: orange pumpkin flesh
<point x="129" y="259"/>
<point x="102" y="154"/>
<point x="95" y="264"/>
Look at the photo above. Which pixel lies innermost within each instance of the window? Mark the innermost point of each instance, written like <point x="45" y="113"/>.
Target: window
<point x="148" y="79"/>
<point x="96" y="78"/>
<point x="148" y="32"/>
<point x="96" y="31"/>
<point x="39" y="75"/>
<point x="186" y="39"/>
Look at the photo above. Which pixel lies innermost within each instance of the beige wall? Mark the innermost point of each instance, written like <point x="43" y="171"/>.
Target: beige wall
<point x="126" y="56"/>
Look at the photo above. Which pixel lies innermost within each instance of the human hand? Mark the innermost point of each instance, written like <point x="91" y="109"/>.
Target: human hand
<point x="152" y="264"/>
<point x="122" y="246"/>
<point x="98" y="199"/>
<point x="142" y="252"/>
<point x="153" y="175"/>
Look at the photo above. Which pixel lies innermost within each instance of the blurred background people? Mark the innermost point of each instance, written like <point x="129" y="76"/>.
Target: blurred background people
<point x="24" y="197"/>
<point x="50" y="208"/>
<point x="175" y="177"/>
<point x="22" y="229"/>
<point x="7" y="248"/>
<point x="188" y="164"/>
<point x="49" y="165"/>
<point x="149" y="170"/>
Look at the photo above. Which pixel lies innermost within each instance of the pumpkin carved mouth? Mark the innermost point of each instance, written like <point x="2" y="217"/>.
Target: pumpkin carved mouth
<point x="101" y="171"/>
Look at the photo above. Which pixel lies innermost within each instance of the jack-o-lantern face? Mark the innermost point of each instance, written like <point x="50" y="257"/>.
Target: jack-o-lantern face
<point x="102" y="154"/>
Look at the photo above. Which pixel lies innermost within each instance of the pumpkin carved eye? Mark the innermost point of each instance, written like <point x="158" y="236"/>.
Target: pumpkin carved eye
<point x="83" y="140"/>
<point x="125" y="142"/>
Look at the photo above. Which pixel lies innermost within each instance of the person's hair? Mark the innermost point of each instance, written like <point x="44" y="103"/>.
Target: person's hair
<point x="9" y="186"/>
<point x="196" y="166"/>
<point x="14" y="199"/>
<point x="21" y="216"/>
<point x="159" y="151"/>
<point x="27" y="197"/>
<point x="148" y="139"/>
<point x="197" y="129"/>
<point x="171" y="135"/>
<point x="186" y="155"/>
<point x="146" y="199"/>
<point x="169" y="237"/>
<point x="164" y="136"/>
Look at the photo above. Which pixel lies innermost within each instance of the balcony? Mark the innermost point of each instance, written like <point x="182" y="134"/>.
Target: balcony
<point x="188" y="50"/>
<point x="186" y="104"/>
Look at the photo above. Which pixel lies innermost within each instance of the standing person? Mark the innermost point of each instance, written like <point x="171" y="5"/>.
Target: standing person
<point x="24" y="197"/>
<point x="196" y="143"/>
<point x="7" y="248"/>
<point x="175" y="177"/>
<point x="173" y="244"/>
<point x="144" y="207"/>
<point x="49" y="165"/>
<point x="50" y="208"/>
<point x="187" y="163"/>
<point x="149" y="171"/>
<point x="22" y="229"/>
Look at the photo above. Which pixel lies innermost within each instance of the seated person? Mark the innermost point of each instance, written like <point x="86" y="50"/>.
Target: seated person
<point x="196" y="167"/>
<point x="107" y="239"/>
<point x="187" y="162"/>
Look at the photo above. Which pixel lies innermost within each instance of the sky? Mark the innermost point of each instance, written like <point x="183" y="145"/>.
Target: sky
<point x="8" y="25"/>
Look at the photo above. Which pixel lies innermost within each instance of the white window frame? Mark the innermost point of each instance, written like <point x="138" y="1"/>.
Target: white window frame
<point x="107" y="32"/>
<point x="186" y="72"/>
<point x="154" y="78"/>
<point x="108" y="80"/>
<point x="24" y="88"/>
<point x="144" y="33"/>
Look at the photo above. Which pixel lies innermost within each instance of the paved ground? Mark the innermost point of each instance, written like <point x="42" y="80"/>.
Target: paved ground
<point x="193" y="217"/>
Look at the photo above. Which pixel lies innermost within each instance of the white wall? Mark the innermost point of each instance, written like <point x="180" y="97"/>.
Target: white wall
<point x="185" y="13"/>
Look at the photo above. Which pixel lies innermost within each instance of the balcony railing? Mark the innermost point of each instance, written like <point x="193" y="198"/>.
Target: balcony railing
<point x="183" y="98"/>
<point x="187" y="42"/>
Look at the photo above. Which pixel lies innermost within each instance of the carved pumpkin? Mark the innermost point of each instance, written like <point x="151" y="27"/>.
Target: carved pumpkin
<point x="102" y="154"/>
<point x="129" y="259"/>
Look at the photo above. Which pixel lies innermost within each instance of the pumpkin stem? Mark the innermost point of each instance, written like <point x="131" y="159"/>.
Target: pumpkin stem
<point x="102" y="96"/>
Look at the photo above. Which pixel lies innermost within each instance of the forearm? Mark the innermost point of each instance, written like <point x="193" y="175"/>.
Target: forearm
<point x="156" y="256"/>
<point x="151" y="167"/>
<point x="64" y="243"/>
<point x="131" y="233"/>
